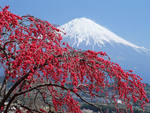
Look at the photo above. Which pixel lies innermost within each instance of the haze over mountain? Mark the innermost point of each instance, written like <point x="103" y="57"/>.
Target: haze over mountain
<point x="83" y="33"/>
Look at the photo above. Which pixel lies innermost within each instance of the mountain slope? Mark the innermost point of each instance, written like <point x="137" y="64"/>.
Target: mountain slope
<point x="83" y="30"/>
<point x="83" y="33"/>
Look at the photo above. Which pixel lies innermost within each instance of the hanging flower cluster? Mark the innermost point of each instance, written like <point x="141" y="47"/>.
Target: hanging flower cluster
<point x="33" y="58"/>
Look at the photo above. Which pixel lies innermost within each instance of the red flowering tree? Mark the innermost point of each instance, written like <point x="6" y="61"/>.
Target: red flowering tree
<point x="36" y="63"/>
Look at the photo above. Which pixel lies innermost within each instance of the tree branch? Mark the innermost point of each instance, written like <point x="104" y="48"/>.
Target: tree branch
<point x="50" y="84"/>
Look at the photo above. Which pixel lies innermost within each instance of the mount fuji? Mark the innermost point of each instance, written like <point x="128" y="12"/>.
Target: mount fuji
<point x="83" y="33"/>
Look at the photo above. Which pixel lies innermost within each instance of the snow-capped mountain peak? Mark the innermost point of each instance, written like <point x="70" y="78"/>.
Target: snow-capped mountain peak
<point x="91" y="33"/>
<point x="83" y="33"/>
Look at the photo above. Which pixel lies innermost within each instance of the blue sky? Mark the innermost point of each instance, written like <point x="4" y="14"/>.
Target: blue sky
<point x="129" y="19"/>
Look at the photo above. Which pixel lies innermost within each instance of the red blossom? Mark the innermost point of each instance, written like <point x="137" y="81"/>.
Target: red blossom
<point x="33" y="52"/>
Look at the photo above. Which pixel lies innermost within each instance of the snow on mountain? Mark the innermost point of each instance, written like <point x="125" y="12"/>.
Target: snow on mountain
<point x="83" y="33"/>
<point x="91" y="33"/>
